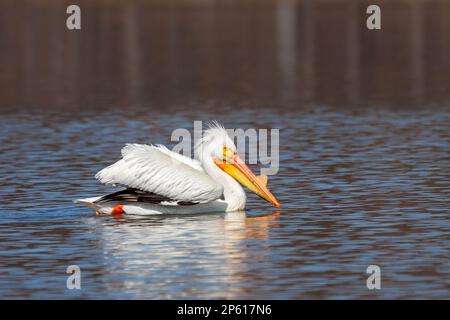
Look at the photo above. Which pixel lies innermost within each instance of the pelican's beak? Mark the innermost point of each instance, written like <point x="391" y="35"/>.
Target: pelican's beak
<point x="237" y="168"/>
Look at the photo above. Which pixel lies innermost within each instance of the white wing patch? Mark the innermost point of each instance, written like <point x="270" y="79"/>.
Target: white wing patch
<point x="190" y="162"/>
<point x="163" y="172"/>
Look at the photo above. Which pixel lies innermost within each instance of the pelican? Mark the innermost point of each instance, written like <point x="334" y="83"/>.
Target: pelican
<point x="157" y="180"/>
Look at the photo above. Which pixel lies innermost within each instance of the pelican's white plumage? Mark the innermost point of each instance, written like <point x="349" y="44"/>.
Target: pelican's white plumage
<point x="161" y="181"/>
<point x="158" y="170"/>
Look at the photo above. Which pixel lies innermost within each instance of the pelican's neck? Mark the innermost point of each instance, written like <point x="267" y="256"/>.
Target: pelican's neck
<point x="233" y="193"/>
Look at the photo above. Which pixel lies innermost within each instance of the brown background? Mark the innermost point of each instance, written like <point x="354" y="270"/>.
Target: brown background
<point x="283" y="54"/>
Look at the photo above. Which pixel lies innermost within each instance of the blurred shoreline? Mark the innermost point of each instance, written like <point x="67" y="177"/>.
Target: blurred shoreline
<point x="274" y="54"/>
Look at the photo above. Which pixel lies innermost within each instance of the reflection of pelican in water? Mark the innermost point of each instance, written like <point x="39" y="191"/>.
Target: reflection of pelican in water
<point x="182" y="255"/>
<point x="161" y="181"/>
<point x="241" y="226"/>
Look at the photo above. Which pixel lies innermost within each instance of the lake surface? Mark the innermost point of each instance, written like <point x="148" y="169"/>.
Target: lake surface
<point x="356" y="188"/>
<point x="364" y="119"/>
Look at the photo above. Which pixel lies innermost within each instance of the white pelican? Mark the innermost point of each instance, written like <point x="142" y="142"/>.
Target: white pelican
<point x="160" y="181"/>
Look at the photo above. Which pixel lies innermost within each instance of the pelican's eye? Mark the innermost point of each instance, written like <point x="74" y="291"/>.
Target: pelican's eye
<point x="227" y="153"/>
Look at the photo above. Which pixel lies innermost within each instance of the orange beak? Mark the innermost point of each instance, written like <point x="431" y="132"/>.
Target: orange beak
<point x="237" y="168"/>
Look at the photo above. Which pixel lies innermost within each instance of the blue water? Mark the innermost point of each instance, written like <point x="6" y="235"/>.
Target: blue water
<point x="357" y="188"/>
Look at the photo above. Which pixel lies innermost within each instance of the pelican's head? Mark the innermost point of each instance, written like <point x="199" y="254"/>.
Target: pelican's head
<point x="217" y="146"/>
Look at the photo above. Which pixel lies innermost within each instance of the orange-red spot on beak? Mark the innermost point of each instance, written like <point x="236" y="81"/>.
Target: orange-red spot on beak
<point x="118" y="209"/>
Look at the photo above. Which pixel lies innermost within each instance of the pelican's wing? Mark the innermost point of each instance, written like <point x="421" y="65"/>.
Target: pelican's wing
<point x="163" y="172"/>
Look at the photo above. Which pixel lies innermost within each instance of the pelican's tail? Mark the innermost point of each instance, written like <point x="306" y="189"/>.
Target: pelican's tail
<point x="89" y="202"/>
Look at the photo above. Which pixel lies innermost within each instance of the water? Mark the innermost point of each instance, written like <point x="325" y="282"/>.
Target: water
<point x="364" y="147"/>
<point x="357" y="188"/>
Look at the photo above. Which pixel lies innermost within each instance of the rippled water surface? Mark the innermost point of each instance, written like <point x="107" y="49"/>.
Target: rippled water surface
<point x="356" y="187"/>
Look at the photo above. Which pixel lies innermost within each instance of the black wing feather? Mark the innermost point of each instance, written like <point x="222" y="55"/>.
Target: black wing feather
<point x="135" y="195"/>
